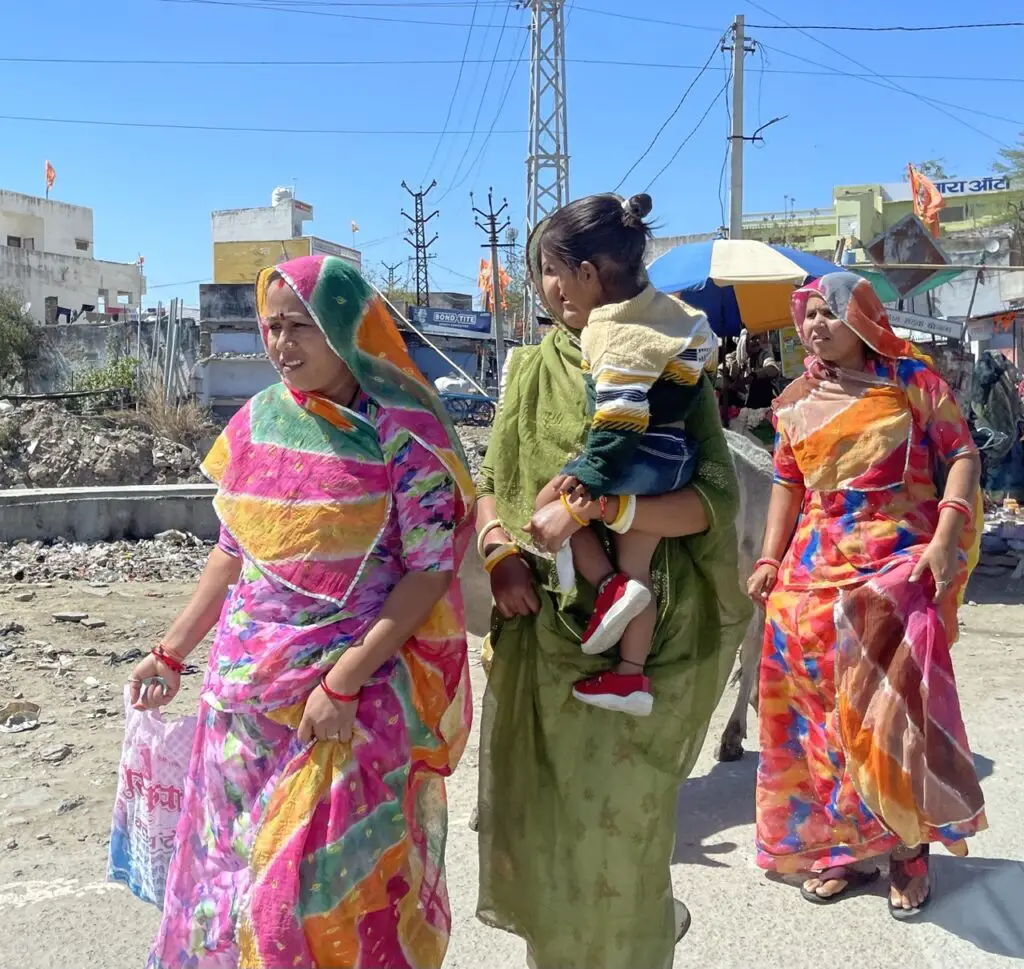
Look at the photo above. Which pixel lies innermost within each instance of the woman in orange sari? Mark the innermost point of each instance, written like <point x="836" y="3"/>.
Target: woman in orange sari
<point x="866" y="556"/>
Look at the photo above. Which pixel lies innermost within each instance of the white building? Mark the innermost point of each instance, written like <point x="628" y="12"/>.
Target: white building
<point x="46" y="255"/>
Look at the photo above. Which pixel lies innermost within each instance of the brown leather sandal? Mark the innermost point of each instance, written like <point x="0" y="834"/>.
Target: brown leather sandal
<point x="901" y="873"/>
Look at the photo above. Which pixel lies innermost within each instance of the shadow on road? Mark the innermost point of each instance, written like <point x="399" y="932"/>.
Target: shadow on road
<point x="975" y="899"/>
<point x="984" y="766"/>
<point x="718" y="801"/>
<point x="986" y="590"/>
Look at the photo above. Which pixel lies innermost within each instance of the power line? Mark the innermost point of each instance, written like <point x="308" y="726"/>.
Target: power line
<point x="430" y="62"/>
<point x="187" y="282"/>
<point x="455" y="93"/>
<point x="280" y="7"/>
<point x="487" y="138"/>
<point x="674" y="112"/>
<point x="884" y="30"/>
<point x="891" y="85"/>
<point x="248" y="130"/>
<point x="728" y="141"/>
<point x="869" y="79"/>
<point x="646" y="20"/>
<point x="694" y="131"/>
<point x="483" y="96"/>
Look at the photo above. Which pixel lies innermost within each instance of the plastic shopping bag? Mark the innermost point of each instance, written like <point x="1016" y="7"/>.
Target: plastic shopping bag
<point x="150" y="790"/>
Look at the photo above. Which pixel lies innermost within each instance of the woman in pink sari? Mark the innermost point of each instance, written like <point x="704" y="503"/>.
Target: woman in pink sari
<point x="336" y="699"/>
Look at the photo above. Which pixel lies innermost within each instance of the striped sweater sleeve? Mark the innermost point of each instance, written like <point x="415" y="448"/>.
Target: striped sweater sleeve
<point x="624" y="361"/>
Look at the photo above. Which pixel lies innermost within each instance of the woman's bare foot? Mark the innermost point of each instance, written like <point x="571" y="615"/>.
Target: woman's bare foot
<point x="911" y="886"/>
<point x="830" y="885"/>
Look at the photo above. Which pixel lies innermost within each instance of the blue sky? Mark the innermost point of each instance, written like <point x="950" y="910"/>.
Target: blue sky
<point x="153" y="189"/>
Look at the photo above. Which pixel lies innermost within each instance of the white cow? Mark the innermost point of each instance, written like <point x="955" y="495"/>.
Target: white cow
<point x="754" y="471"/>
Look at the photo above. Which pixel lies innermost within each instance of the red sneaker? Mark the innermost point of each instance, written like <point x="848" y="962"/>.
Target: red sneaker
<point x="621" y="600"/>
<point x="618" y="692"/>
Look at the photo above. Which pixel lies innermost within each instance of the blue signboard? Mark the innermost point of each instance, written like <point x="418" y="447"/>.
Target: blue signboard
<point x="444" y="322"/>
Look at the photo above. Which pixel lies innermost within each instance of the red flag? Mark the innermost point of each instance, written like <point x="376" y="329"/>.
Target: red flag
<point x="51" y="177"/>
<point x="928" y="200"/>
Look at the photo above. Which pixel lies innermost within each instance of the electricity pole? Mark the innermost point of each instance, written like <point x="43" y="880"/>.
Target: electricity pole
<point x="547" y="163"/>
<point x="391" y="271"/>
<point x="739" y="52"/>
<point x="418" y="241"/>
<point x="493" y="230"/>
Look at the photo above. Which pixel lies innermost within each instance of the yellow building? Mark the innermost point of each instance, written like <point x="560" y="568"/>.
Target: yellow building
<point x="246" y="240"/>
<point x="862" y="212"/>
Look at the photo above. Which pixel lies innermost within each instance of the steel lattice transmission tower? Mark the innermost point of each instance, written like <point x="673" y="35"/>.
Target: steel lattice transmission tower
<point x="547" y="165"/>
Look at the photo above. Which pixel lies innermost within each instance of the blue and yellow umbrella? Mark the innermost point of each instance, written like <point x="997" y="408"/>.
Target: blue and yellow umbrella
<point x="737" y="282"/>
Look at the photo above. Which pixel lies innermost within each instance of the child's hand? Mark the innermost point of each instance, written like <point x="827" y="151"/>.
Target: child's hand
<point x="576" y="493"/>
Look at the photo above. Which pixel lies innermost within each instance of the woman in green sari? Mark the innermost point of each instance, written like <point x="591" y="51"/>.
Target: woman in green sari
<point x="578" y="805"/>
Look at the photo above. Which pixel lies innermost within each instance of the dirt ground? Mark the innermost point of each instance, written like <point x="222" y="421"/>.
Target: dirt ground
<point x="57" y="783"/>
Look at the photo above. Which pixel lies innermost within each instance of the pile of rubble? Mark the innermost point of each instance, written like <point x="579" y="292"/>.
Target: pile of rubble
<point x="474" y="442"/>
<point x="44" y="446"/>
<point x="171" y="557"/>
<point x="1002" y="544"/>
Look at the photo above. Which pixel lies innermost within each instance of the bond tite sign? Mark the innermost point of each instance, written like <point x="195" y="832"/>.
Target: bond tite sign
<point x="445" y="322"/>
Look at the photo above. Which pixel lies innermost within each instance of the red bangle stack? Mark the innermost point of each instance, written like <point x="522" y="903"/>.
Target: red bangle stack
<point x="173" y="663"/>
<point x="774" y="563"/>
<point x="334" y="695"/>
<point x="960" y="505"/>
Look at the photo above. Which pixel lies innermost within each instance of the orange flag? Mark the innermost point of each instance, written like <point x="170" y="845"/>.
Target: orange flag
<point x="928" y="200"/>
<point x="51" y="177"/>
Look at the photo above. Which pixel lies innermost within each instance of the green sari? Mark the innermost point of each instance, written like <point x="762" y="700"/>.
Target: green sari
<point x="578" y="805"/>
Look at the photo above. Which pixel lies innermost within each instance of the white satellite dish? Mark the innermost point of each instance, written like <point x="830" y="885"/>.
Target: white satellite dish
<point x="25" y="307"/>
<point x="993" y="246"/>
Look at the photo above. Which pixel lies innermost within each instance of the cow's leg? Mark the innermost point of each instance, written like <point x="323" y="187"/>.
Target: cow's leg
<point x="731" y="747"/>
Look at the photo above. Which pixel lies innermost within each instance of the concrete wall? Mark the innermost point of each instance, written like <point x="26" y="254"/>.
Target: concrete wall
<point x="232" y="379"/>
<point x="71" y="350"/>
<point x="226" y="304"/>
<point x="236" y="342"/>
<point x="106" y="514"/>
<point x="54" y="226"/>
<point x="74" y="280"/>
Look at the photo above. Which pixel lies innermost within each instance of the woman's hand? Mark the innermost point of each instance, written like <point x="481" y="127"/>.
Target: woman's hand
<point x="153" y="684"/>
<point x="552" y="526"/>
<point x="761" y="583"/>
<point x="941" y="559"/>
<point x="513" y="588"/>
<point x="326" y="719"/>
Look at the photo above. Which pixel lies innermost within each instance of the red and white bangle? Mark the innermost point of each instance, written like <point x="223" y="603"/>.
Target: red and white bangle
<point x="767" y="560"/>
<point x="957" y="504"/>
<point x="335" y="695"/>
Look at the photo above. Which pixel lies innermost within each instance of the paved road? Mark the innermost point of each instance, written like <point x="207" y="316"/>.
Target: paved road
<point x="56" y="912"/>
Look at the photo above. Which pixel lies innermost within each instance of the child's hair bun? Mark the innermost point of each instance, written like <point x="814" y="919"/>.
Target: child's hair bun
<point x="637" y="208"/>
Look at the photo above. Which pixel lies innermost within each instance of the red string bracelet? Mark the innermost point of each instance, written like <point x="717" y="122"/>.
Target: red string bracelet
<point x="334" y="695"/>
<point x="174" y="664"/>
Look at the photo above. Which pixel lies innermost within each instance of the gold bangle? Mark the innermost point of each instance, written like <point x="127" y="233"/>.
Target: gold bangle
<point x="498" y="556"/>
<point x="627" y="511"/>
<point x="583" y="523"/>
<point x="484" y="532"/>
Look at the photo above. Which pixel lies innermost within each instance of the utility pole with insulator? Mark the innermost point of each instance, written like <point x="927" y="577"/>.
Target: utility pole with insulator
<point x="417" y="238"/>
<point x="739" y="50"/>
<point x="493" y="229"/>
